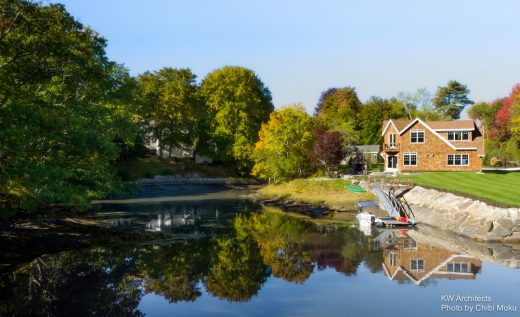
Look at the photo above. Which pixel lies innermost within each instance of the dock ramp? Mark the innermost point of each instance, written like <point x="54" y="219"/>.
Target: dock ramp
<point x="394" y="204"/>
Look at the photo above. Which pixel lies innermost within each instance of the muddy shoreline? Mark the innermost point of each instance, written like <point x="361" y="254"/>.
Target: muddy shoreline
<point x="31" y="235"/>
<point x="23" y="240"/>
<point x="290" y="205"/>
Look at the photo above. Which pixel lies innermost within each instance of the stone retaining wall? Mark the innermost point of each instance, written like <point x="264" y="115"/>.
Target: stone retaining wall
<point x="465" y="216"/>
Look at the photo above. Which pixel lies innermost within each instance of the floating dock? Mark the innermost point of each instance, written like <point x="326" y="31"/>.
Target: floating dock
<point x="390" y="222"/>
<point x="399" y="212"/>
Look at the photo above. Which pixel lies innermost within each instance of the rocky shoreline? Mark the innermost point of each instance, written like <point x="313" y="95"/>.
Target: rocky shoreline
<point x="464" y="216"/>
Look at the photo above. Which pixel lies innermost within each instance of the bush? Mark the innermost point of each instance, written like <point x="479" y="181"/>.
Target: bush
<point x="495" y="162"/>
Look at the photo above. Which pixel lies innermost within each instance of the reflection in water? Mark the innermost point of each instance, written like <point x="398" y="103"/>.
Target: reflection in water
<point x="405" y="260"/>
<point x="72" y="283"/>
<point x="236" y="271"/>
<point x="232" y="266"/>
<point x="211" y="214"/>
<point x="170" y="219"/>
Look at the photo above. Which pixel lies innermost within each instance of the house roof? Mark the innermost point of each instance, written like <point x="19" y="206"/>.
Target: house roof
<point x="368" y="148"/>
<point x="401" y="272"/>
<point x="477" y="143"/>
<point x="401" y="124"/>
<point x="452" y="125"/>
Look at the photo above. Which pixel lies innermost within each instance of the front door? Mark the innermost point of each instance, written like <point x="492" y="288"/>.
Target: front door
<point x="391" y="163"/>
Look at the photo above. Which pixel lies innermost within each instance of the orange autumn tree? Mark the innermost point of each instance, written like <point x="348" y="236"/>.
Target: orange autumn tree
<point x="501" y="119"/>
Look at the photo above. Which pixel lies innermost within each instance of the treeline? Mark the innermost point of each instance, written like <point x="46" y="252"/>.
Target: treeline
<point x="66" y="111"/>
<point x="219" y="117"/>
<point x="69" y="115"/>
<point x="294" y="144"/>
<point x="501" y="120"/>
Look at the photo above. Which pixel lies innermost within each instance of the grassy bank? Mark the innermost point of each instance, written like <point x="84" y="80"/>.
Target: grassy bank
<point x="338" y="219"/>
<point x="502" y="189"/>
<point x="329" y="193"/>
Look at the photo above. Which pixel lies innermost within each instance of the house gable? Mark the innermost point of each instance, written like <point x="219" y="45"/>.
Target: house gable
<point x="397" y="262"/>
<point x="390" y="122"/>
<point x="434" y="132"/>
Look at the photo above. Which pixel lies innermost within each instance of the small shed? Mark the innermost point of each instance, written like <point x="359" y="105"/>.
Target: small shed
<point x="370" y="152"/>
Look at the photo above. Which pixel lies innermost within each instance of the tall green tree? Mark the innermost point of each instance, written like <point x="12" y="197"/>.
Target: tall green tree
<point x="338" y="110"/>
<point x="324" y="96"/>
<point x="283" y="150"/>
<point x="239" y="102"/>
<point x="65" y="109"/>
<point x="452" y="99"/>
<point x="371" y="117"/>
<point x="485" y="112"/>
<point x="173" y="109"/>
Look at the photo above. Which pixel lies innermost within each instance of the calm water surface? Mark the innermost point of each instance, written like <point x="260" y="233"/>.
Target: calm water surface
<point x="223" y="256"/>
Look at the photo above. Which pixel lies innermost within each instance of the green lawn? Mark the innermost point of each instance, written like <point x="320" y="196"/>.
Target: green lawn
<point x="501" y="189"/>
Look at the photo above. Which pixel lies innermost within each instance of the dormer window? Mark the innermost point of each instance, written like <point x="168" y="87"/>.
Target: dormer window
<point x="458" y="135"/>
<point x="417" y="136"/>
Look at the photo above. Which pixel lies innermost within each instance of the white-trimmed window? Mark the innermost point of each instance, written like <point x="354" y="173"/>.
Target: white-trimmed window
<point x="417" y="265"/>
<point x="458" y="159"/>
<point x="417" y="136"/>
<point x="457" y="267"/>
<point x="410" y="159"/>
<point x="393" y="258"/>
<point x="458" y="135"/>
<point x="409" y="244"/>
<point x="391" y="140"/>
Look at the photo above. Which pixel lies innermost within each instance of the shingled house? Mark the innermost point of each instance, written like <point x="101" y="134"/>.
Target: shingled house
<point x="417" y="145"/>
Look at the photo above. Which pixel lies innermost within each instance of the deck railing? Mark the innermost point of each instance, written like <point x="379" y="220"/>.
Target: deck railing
<point x="391" y="147"/>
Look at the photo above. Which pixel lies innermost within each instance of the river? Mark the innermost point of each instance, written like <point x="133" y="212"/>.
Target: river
<point x="225" y="256"/>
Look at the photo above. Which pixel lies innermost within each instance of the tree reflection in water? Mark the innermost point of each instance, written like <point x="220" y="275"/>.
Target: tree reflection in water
<point x="233" y="267"/>
<point x="173" y="271"/>
<point x="73" y="283"/>
<point x="236" y="271"/>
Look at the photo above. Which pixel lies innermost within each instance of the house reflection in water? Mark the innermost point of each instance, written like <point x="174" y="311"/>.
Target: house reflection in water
<point x="171" y="219"/>
<point x="405" y="260"/>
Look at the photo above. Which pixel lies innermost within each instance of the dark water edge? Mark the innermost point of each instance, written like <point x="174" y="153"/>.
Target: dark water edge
<point x="30" y="235"/>
<point x="220" y="255"/>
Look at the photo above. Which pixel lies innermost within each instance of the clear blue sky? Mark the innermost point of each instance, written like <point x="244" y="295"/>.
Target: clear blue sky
<point x="300" y="48"/>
